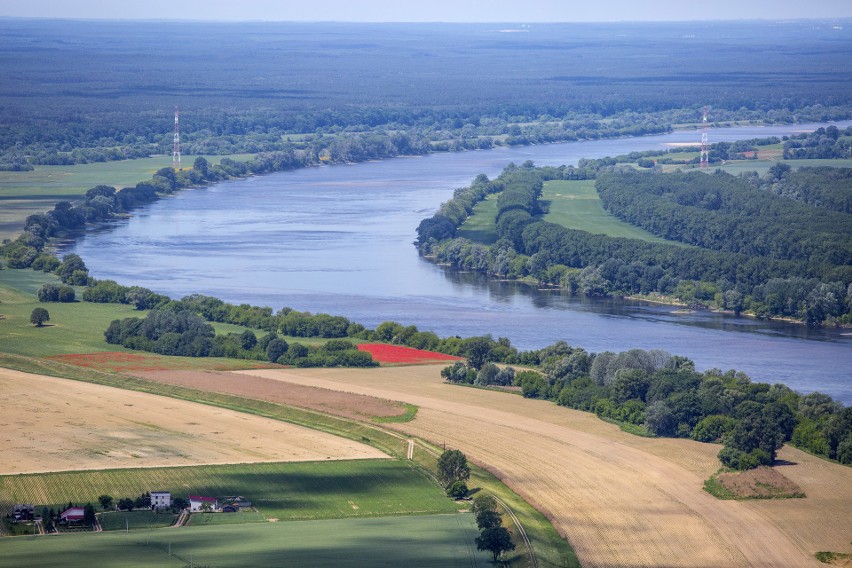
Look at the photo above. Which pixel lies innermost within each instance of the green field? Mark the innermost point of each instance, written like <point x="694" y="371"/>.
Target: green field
<point x="77" y="327"/>
<point x="419" y="541"/>
<point x="134" y="520"/>
<point x="480" y="226"/>
<point x="575" y="205"/>
<point x="286" y="491"/>
<point x="25" y="193"/>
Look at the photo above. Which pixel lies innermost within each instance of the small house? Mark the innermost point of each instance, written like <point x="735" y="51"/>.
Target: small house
<point x="72" y="515"/>
<point x="161" y="500"/>
<point x="198" y="503"/>
<point x="23" y="512"/>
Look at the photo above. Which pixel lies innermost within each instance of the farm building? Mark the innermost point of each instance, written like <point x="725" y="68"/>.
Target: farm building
<point x="197" y="503"/>
<point x="161" y="500"/>
<point x="72" y="515"/>
<point x="23" y="512"/>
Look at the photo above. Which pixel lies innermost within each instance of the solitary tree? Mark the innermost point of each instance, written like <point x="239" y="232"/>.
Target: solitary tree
<point x="452" y="467"/>
<point x="105" y="501"/>
<point x="496" y="540"/>
<point x="39" y="316"/>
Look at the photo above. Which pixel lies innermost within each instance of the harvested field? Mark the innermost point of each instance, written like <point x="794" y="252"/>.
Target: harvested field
<point x="621" y="500"/>
<point x="52" y="424"/>
<point x="120" y="362"/>
<point x="348" y="405"/>
<point x="384" y="353"/>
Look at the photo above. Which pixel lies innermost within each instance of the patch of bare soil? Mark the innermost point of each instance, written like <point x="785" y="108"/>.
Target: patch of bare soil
<point x="346" y="404"/>
<point x="760" y="483"/>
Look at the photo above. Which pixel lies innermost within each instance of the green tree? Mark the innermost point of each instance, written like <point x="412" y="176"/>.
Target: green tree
<point x="496" y="540"/>
<point x="126" y="504"/>
<point x="488" y="518"/>
<point x="105" y="501"/>
<point x="39" y="317"/>
<point x="89" y="516"/>
<point x="452" y="467"/>
<point x="276" y="348"/>
<point x="458" y="490"/>
<point x="484" y="502"/>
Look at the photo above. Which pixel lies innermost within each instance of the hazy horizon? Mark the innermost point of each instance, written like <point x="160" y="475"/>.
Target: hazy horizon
<point x="438" y="11"/>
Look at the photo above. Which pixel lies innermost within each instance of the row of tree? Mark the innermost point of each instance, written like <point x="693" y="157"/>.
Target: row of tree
<point x="177" y="330"/>
<point x="814" y="285"/>
<point x="823" y="143"/>
<point x="656" y="393"/>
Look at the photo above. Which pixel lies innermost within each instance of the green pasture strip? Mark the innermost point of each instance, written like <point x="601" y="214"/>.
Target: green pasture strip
<point x="37" y="191"/>
<point x="133" y="520"/>
<point x="414" y="542"/>
<point x="73" y="181"/>
<point x="575" y="204"/>
<point x="288" y="491"/>
<point x="238" y="518"/>
<point x="481" y="226"/>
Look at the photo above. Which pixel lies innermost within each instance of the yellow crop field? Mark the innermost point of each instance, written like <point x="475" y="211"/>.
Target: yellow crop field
<point x="621" y="500"/>
<point x="51" y="424"/>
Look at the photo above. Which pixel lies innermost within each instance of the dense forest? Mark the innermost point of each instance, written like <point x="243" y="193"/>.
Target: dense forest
<point x="754" y="250"/>
<point x="82" y="91"/>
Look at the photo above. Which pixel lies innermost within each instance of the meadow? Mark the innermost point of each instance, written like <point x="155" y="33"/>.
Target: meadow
<point x="416" y="541"/>
<point x="327" y="489"/>
<point x="572" y="204"/>
<point x="37" y="191"/>
<point x="575" y="205"/>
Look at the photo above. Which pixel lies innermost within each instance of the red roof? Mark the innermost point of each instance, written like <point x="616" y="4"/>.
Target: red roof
<point x="73" y="514"/>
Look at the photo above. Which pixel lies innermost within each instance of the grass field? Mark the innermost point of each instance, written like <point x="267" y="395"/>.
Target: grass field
<point x="134" y="520"/>
<point x="575" y="205"/>
<point x="480" y="227"/>
<point x="25" y="193"/>
<point x="414" y="542"/>
<point x="286" y="491"/>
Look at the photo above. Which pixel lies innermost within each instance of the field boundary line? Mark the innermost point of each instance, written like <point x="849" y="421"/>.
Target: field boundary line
<point x="521" y="531"/>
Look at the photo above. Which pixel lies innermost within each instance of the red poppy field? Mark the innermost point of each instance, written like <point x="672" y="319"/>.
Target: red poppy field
<point x="384" y="353"/>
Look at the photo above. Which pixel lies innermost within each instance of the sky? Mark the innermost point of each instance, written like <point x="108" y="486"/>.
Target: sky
<point x="514" y="11"/>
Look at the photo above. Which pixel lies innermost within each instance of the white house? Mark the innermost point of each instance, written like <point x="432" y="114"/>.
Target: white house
<point x="197" y="503"/>
<point x="161" y="499"/>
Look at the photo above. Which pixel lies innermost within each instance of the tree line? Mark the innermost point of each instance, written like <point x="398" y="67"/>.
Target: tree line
<point x="751" y="270"/>
<point x="656" y="393"/>
<point x="646" y="391"/>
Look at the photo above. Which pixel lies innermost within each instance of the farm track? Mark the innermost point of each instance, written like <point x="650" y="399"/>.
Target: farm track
<point x="620" y="499"/>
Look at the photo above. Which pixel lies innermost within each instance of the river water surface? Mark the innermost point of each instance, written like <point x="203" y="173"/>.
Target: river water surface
<point x="338" y="239"/>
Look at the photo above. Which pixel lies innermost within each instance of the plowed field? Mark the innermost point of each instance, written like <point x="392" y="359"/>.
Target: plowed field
<point x="51" y="424"/>
<point x="621" y="500"/>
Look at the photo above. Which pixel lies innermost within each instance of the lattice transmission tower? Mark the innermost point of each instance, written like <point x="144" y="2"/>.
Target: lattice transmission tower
<point x="705" y="147"/>
<point x="176" y="148"/>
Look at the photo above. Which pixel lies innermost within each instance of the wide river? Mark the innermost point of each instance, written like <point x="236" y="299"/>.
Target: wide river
<point x="338" y="240"/>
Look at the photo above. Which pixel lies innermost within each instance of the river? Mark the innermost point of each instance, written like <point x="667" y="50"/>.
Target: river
<point x="338" y="239"/>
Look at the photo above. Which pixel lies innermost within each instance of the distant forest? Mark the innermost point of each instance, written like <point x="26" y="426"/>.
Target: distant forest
<point x="82" y="91"/>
